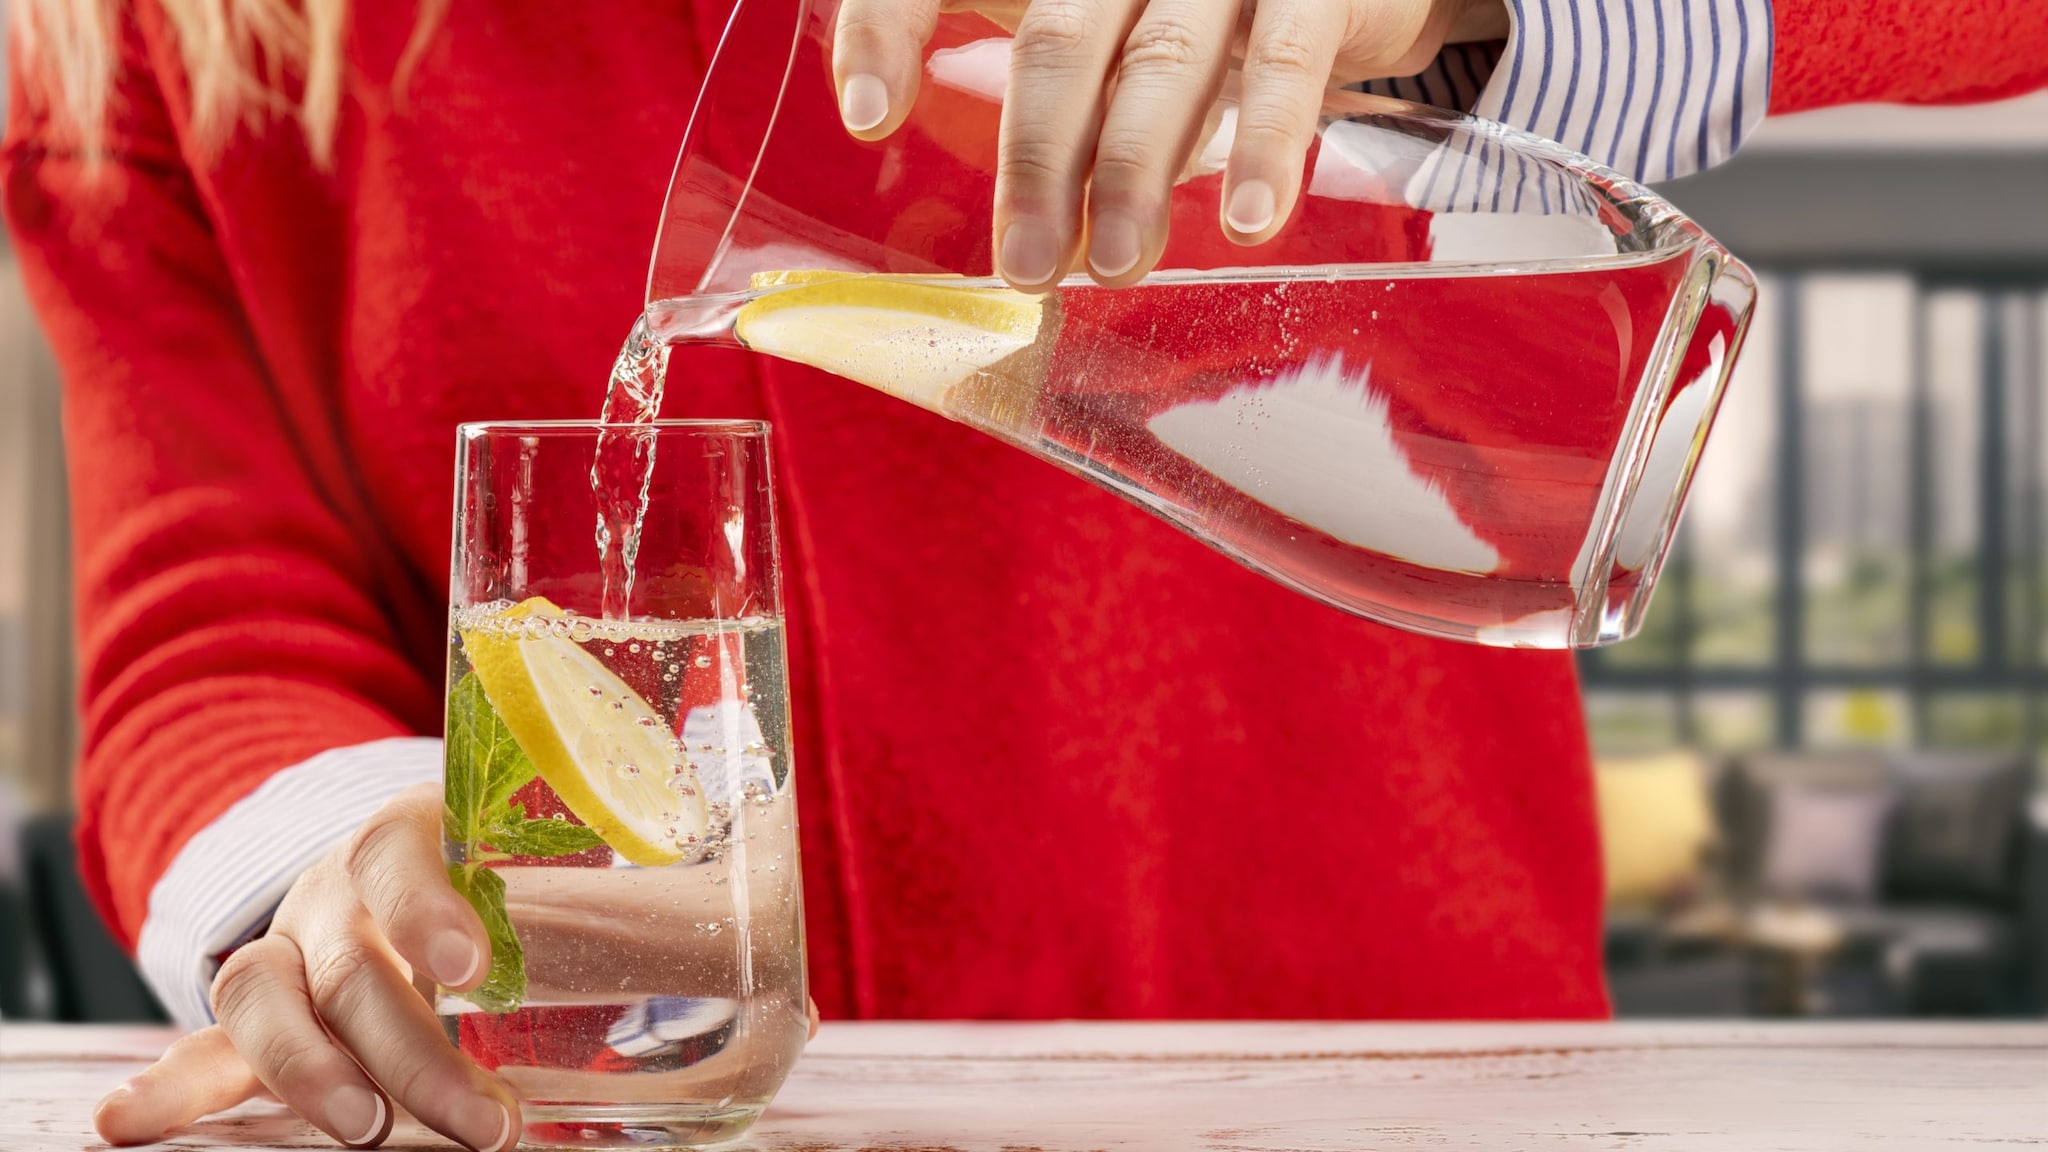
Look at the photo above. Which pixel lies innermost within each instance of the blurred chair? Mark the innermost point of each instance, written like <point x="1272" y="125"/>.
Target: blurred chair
<point x="1841" y="884"/>
<point x="57" y="961"/>
<point x="1930" y="869"/>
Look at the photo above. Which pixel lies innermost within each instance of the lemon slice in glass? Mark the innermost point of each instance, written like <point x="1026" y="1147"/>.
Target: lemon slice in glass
<point x="598" y="744"/>
<point x="912" y="337"/>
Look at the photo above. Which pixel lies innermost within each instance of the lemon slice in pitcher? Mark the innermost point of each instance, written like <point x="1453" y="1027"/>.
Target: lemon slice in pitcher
<point x="597" y="743"/>
<point x="912" y="337"/>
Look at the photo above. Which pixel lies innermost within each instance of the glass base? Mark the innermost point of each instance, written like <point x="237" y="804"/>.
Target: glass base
<point x="648" y="1126"/>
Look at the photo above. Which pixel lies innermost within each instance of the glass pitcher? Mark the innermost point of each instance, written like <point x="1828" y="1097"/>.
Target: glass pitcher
<point x="1461" y="392"/>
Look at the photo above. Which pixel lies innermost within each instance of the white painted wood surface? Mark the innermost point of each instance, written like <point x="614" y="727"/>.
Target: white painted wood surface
<point x="1258" y="1087"/>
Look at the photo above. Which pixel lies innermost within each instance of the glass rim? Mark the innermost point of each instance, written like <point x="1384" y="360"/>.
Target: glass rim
<point x="479" y="429"/>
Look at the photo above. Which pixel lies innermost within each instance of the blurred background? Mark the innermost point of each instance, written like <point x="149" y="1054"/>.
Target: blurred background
<point x="1821" y="767"/>
<point x="1821" y="775"/>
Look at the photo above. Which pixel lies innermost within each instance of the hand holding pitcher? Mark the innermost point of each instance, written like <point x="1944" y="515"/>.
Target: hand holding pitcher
<point x="1064" y="130"/>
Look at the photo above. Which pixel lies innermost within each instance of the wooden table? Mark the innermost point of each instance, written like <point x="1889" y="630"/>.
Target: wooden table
<point x="1251" y="1087"/>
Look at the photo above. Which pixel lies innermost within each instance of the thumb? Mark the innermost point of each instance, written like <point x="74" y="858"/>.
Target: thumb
<point x="200" y="1074"/>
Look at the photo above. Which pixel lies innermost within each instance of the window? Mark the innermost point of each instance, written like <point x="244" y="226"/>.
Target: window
<point x="1862" y="558"/>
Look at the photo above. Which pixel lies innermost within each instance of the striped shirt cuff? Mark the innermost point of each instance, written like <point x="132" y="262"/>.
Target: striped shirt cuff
<point x="225" y="883"/>
<point x="1655" y="89"/>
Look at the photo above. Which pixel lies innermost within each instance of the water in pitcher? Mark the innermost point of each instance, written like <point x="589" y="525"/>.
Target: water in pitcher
<point x="1428" y="449"/>
<point x="620" y="812"/>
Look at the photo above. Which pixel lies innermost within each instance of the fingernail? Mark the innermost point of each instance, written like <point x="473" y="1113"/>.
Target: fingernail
<point x="483" y="1124"/>
<point x="1113" y="245"/>
<point x="1251" y="207"/>
<point x="355" y="1114"/>
<point x="863" y="102"/>
<point x="452" y="957"/>
<point x="1030" y="255"/>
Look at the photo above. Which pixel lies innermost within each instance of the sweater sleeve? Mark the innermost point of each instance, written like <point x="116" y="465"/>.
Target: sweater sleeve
<point x="1907" y="51"/>
<point x="230" y="618"/>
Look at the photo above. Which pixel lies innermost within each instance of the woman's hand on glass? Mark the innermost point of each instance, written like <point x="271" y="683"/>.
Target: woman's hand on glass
<point x="323" y="1011"/>
<point x="331" y="1010"/>
<point x="1111" y="97"/>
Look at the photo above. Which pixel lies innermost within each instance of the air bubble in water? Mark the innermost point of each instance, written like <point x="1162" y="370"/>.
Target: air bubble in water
<point x="702" y="661"/>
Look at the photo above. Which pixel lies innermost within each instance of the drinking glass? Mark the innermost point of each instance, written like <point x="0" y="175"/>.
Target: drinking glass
<point x="1461" y="392"/>
<point x="620" y="808"/>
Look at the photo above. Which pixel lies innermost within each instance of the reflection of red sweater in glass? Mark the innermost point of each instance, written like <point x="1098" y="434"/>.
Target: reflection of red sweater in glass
<point x="1056" y="758"/>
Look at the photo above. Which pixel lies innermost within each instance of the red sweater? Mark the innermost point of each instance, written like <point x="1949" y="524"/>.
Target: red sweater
<point x="1137" y="781"/>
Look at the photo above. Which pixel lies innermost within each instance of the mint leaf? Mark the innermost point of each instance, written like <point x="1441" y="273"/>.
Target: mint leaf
<point x="484" y="767"/>
<point x="462" y="788"/>
<point x="521" y="837"/>
<point x="505" y="987"/>
<point x="485" y="764"/>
